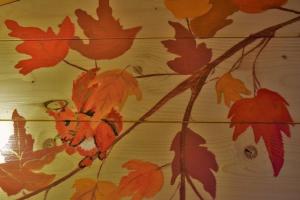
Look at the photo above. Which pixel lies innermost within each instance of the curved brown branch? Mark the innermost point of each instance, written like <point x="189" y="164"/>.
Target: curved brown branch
<point x="55" y="183"/>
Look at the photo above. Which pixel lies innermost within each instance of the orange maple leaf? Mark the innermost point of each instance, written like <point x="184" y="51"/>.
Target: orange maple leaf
<point x="231" y="88"/>
<point x="268" y="116"/>
<point x="199" y="161"/>
<point x="188" y="8"/>
<point x="192" y="56"/>
<point x="81" y="88"/>
<point x="256" y="6"/>
<point x="112" y="89"/>
<point x="207" y="25"/>
<point x="87" y="189"/>
<point x="144" y="181"/>
<point x="108" y="38"/>
<point x="45" y="47"/>
<point x="22" y="163"/>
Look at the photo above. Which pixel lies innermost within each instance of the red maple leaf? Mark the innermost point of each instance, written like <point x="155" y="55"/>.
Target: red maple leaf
<point x="45" y="47"/>
<point x="192" y="56"/>
<point x="20" y="171"/>
<point x="199" y="162"/>
<point x="268" y="116"/>
<point x="108" y="38"/>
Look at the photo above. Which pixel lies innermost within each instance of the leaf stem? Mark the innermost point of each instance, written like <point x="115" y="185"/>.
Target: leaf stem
<point x="256" y="83"/>
<point x="46" y="194"/>
<point x="76" y="66"/>
<point x="155" y="75"/>
<point x="9" y="3"/>
<point x="288" y="10"/>
<point x="194" y="187"/>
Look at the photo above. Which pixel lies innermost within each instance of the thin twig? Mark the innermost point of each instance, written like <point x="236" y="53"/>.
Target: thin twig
<point x="189" y="25"/>
<point x="100" y="168"/>
<point x="288" y="10"/>
<point x="76" y="66"/>
<point x="155" y="75"/>
<point x="238" y="62"/>
<point x="256" y="82"/>
<point x="53" y="184"/>
<point x="46" y="194"/>
<point x="194" y="187"/>
<point x="174" y="193"/>
<point x="9" y="3"/>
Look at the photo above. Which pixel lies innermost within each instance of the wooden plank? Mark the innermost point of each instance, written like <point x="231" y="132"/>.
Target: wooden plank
<point x="237" y="178"/>
<point x="151" y="15"/>
<point x="277" y="70"/>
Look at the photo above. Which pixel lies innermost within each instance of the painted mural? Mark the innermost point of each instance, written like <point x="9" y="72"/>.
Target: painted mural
<point x="92" y="125"/>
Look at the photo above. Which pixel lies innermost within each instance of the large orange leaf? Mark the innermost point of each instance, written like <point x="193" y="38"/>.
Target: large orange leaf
<point x="268" y="116"/>
<point x="256" y="6"/>
<point x="192" y="56"/>
<point x="45" y="47"/>
<point x="22" y="163"/>
<point x="81" y="90"/>
<point x="108" y="38"/>
<point x="231" y="88"/>
<point x="188" y="8"/>
<point x="88" y="189"/>
<point x="144" y="181"/>
<point x="207" y="25"/>
<point x="199" y="162"/>
<point x="112" y="89"/>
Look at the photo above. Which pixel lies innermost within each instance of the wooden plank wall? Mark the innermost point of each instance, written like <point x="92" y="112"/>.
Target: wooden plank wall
<point x="238" y="177"/>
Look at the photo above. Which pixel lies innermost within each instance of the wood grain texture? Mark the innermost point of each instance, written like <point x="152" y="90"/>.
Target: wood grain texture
<point x="277" y="68"/>
<point x="237" y="178"/>
<point x="152" y="15"/>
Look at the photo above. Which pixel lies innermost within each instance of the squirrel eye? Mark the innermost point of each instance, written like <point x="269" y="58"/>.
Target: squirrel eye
<point x="67" y="122"/>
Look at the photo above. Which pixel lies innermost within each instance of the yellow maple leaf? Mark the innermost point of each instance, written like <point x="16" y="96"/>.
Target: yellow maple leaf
<point x="144" y="181"/>
<point x="87" y="189"/>
<point x="188" y="8"/>
<point x="231" y="88"/>
<point x="111" y="90"/>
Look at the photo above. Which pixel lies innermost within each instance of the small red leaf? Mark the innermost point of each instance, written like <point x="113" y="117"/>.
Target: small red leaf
<point x="108" y="38"/>
<point x="192" y="56"/>
<point x="268" y="116"/>
<point x="46" y="50"/>
<point x="199" y="162"/>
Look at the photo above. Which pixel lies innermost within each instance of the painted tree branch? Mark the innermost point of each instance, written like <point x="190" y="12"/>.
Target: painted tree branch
<point x="204" y="73"/>
<point x="195" y="81"/>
